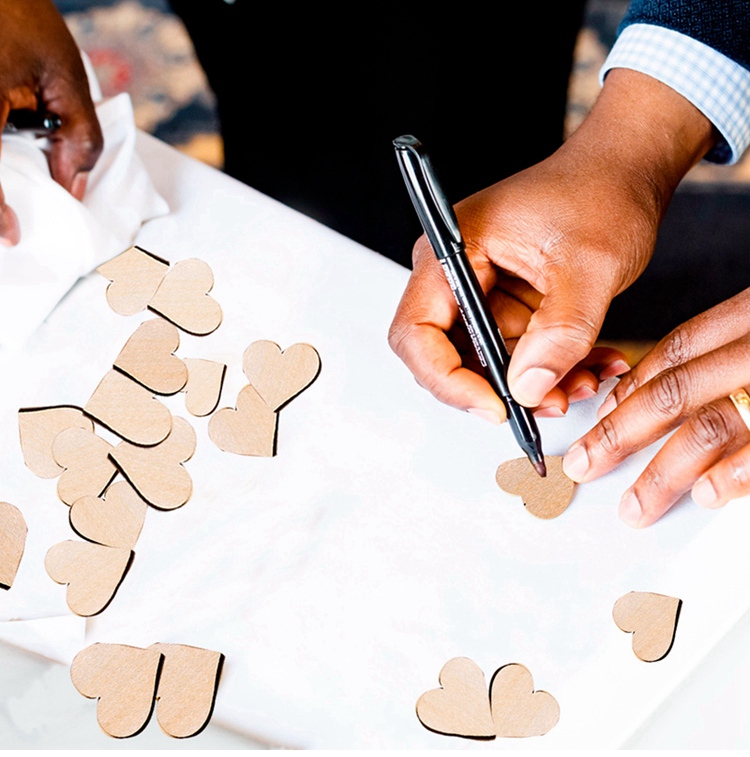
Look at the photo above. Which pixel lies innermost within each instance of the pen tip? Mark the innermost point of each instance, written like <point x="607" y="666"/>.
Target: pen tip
<point x="540" y="468"/>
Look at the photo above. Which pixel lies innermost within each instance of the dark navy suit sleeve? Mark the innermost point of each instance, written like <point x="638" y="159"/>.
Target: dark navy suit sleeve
<point x="723" y="25"/>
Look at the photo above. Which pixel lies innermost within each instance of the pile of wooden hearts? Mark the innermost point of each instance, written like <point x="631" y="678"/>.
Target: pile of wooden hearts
<point x="127" y="681"/>
<point x="462" y="708"/>
<point x="275" y="378"/>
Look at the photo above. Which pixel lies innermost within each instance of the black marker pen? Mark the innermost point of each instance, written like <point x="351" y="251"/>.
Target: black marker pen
<point x="441" y="227"/>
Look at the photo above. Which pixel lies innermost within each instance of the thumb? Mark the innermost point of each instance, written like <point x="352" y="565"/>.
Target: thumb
<point x="560" y="334"/>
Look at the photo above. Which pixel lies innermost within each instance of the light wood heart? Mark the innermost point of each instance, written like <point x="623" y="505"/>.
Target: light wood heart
<point x="93" y="573"/>
<point x="84" y="456"/>
<point x="545" y="497"/>
<point x="204" y="384"/>
<point x="280" y="376"/>
<point x="135" y="276"/>
<point x="517" y="710"/>
<point x="250" y="429"/>
<point x="130" y="410"/>
<point x="12" y="542"/>
<point x="148" y="357"/>
<point x="182" y="297"/>
<point x="37" y="429"/>
<point x="157" y="473"/>
<point x="187" y="688"/>
<point x="124" y="679"/>
<point x="652" y="619"/>
<point x="115" y="521"/>
<point x="461" y="707"/>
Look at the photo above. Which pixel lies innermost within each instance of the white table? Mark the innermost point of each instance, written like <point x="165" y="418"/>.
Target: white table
<point x="339" y="576"/>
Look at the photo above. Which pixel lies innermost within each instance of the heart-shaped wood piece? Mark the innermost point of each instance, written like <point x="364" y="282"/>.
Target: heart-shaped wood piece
<point x="115" y="521"/>
<point x="135" y="276"/>
<point x="84" y="456"/>
<point x="37" y="429"/>
<point x="130" y="410"/>
<point x="124" y="679"/>
<point x="187" y="688"/>
<point x="652" y="619"/>
<point x="93" y="573"/>
<point x="148" y="357"/>
<point x="250" y="429"/>
<point x="280" y="376"/>
<point x="545" y="497"/>
<point x="157" y="473"/>
<point x="204" y="384"/>
<point x="182" y="297"/>
<point x="461" y="707"/>
<point x="517" y="710"/>
<point x="12" y="542"/>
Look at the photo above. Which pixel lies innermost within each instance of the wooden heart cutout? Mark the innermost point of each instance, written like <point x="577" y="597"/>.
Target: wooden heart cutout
<point x="148" y="357"/>
<point x="250" y="429"/>
<point x="124" y="679"/>
<point x="85" y="459"/>
<point x="93" y="573"/>
<point x="182" y="297"/>
<point x="37" y="429"/>
<point x="652" y="619"/>
<point x="545" y="497"/>
<point x="517" y="710"/>
<point x="157" y="473"/>
<point x="12" y="542"/>
<point x="135" y="276"/>
<point x="461" y="707"/>
<point x="115" y="521"/>
<point x="204" y="384"/>
<point x="130" y="410"/>
<point x="187" y="688"/>
<point x="280" y="376"/>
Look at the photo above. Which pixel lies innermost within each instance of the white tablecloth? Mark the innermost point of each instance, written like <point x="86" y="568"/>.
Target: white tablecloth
<point x="339" y="576"/>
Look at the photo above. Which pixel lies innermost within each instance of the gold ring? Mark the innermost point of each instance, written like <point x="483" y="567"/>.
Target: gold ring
<point x="741" y="400"/>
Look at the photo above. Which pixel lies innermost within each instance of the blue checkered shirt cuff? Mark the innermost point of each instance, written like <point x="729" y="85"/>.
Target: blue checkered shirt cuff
<point x="715" y="84"/>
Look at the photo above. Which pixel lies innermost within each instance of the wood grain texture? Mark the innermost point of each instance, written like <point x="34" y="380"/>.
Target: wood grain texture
<point x="157" y="473"/>
<point x="280" y="376"/>
<point x="182" y="297"/>
<point x="546" y="497"/>
<point x="37" y="429"/>
<point x="517" y="710"/>
<point x="148" y="358"/>
<point x="249" y="429"/>
<point x="204" y="385"/>
<point x="130" y="410"/>
<point x="115" y="520"/>
<point x="93" y="573"/>
<point x="123" y="679"/>
<point x="13" y="532"/>
<point x="84" y="456"/>
<point x="461" y="707"/>
<point x="652" y="619"/>
<point x="135" y="276"/>
<point x="187" y="688"/>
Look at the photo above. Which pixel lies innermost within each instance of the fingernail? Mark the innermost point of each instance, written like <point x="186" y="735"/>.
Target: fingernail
<point x="576" y="463"/>
<point x="582" y="393"/>
<point x="486" y="415"/>
<point x="630" y="509"/>
<point x="552" y="411"/>
<point x="607" y="406"/>
<point x="616" y="368"/>
<point x="704" y="493"/>
<point x="532" y="385"/>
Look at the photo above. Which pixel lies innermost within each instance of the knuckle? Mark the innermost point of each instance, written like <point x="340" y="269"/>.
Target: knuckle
<point x="677" y="347"/>
<point x="669" y="392"/>
<point x="710" y="429"/>
<point x="609" y="437"/>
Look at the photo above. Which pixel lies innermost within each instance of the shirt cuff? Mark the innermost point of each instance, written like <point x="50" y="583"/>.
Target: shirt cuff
<point x="718" y="86"/>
